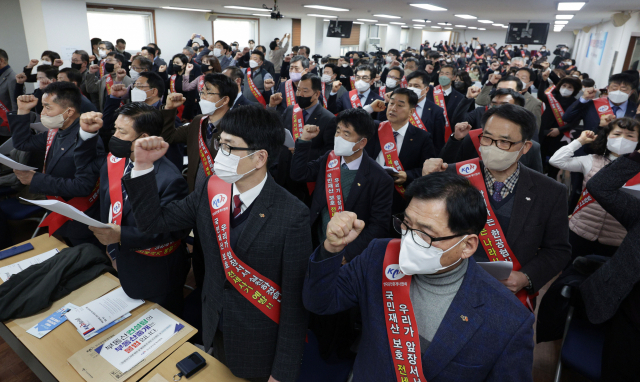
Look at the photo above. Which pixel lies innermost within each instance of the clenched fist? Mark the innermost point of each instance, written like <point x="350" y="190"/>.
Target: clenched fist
<point x="118" y="90"/>
<point x="21" y="78"/>
<point x="336" y="86"/>
<point x="162" y="68"/>
<point x="148" y="150"/>
<point x="343" y="228"/>
<point x="462" y="130"/>
<point x="33" y="62"/>
<point x="587" y="137"/>
<point x="494" y="78"/>
<point x="275" y="99"/>
<point x="473" y="92"/>
<point x="433" y="165"/>
<point x="120" y="74"/>
<point x="589" y="93"/>
<point x="188" y="69"/>
<point x="378" y="105"/>
<point x="309" y="132"/>
<point x="57" y="62"/>
<point x="174" y="100"/>
<point x="268" y="84"/>
<point x="44" y="83"/>
<point x="91" y="122"/>
<point x="94" y="68"/>
<point x="26" y="103"/>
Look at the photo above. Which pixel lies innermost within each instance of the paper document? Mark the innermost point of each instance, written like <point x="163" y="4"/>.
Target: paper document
<point x="53" y="321"/>
<point x="390" y="170"/>
<point x="6" y="147"/>
<point x="10" y="270"/>
<point x="96" y="332"/>
<point x="139" y="339"/>
<point x="68" y="211"/>
<point x="102" y="311"/>
<point x="498" y="269"/>
<point x="14" y="165"/>
<point x="288" y="139"/>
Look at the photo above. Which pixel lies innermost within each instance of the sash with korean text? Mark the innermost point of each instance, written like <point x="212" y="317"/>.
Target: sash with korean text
<point x="290" y="95"/>
<point x="390" y="150"/>
<point x="438" y="97"/>
<point x="254" y="89"/>
<point x="332" y="185"/>
<point x="602" y="106"/>
<point x="203" y="150"/>
<point x="557" y="109"/>
<point x="354" y="98"/>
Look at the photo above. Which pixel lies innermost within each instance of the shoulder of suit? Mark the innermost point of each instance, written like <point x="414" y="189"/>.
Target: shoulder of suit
<point x="287" y="202"/>
<point x="541" y="180"/>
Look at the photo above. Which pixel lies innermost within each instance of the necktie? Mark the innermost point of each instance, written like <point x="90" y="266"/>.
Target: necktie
<point x="237" y="204"/>
<point x="344" y="166"/>
<point x="615" y="110"/>
<point x="305" y="115"/>
<point x="362" y="99"/>
<point x="395" y="136"/>
<point x="497" y="187"/>
<point x="210" y="130"/>
<point x="127" y="171"/>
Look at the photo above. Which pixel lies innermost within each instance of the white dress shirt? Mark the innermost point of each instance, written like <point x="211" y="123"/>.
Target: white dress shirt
<point x="420" y="107"/>
<point x="448" y="91"/>
<point x="248" y="196"/>
<point x="621" y="111"/>
<point x="354" y="164"/>
<point x="399" y="139"/>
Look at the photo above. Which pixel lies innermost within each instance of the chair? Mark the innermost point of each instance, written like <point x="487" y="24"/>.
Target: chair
<point x="315" y="369"/>
<point x="14" y="210"/>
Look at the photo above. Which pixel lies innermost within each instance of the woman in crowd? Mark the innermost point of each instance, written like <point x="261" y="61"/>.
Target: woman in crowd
<point x="175" y="85"/>
<point x="48" y="57"/>
<point x="593" y="230"/>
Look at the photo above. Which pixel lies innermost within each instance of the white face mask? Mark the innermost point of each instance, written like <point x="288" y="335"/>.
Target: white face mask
<point x="497" y="159"/>
<point x="618" y="96"/>
<point x="45" y="62"/>
<point x="133" y="74"/>
<point x="416" y="260"/>
<point x="388" y="59"/>
<point x="543" y="50"/>
<point x="208" y="107"/>
<point x="565" y="92"/>
<point x="621" y="146"/>
<point x="524" y="85"/>
<point x="344" y="148"/>
<point x="417" y="91"/>
<point x="326" y="78"/>
<point x="391" y="83"/>
<point x="38" y="84"/>
<point x="55" y="122"/>
<point x="138" y="95"/>
<point x="362" y="86"/>
<point x="226" y="167"/>
<point x="217" y="52"/>
<point x="253" y="64"/>
<point x="103" y="53"/>
<point x="345" y="65"/>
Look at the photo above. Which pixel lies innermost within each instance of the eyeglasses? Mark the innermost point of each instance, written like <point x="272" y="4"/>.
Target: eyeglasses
<point x="365" y="78"/>
<point x="500" y="143"/>
<point x="140" y="86"/>
<point x="226" y="149"/>
<point x="137" y="68"/>
<point x="203" y="93"/>
<point x="393" y="78"/>
<point x="402" y="228"/>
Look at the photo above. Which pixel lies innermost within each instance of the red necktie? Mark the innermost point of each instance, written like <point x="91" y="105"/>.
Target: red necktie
<point x="237" y="203"/>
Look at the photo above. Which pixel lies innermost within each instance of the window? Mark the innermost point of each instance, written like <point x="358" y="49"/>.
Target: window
<point x="240" y="30"/>
<point x="135" y="27"/>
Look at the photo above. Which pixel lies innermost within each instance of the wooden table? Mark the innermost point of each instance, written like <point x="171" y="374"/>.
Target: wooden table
<point x="213" y="371"/>
<point x="47" y="357"/>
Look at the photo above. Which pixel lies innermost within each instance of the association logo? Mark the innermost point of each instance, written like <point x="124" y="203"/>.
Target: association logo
<point x="393" y="272"/>
<point x="468" y="168"/>
<point x="115" y="159"/>
<point x="218" y="201"/>
<point x="389" y="146"/>
<point x="354" y="97"/>
<point x="603" y="108"/>
<point x="117" y="206"/>
<point x="333" y="163"/>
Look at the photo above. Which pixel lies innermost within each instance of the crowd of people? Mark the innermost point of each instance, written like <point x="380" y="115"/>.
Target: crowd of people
<point x="355" y="196"/>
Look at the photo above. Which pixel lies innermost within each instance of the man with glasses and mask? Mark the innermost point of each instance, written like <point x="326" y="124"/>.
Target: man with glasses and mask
<point x="362" y="96"/>
<point x="67" y="174"/>
<point x="428" y="311"/>
<point x="298" y="67"/>
<point x="150" y="266"/>
<point x="528" y="221"/>
<point x="252" y="296"/>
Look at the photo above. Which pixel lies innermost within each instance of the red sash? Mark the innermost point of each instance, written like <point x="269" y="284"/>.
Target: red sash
<point x="403" y="82"/>
<point x="475" y="54"/>
<point x="3" y="114"/>
<point x="201" y="83"/>
<point x="324" y="96"/>
<point x="355" y="99"/>
<point x="602" y="106"/>
<point x="172" y="89"/>
<point x="522" y="53"/>
<point x="415" y="120"/>
<point x="115" y="170"/>
<point x="102" y="68"/>
<point x="254" y="89"/>
<point x="475" y="138"/>
<point x="438" y="97"/>
<point x="506" y="53"/>
<point x="493" y="50"/>
<point x="557" y="110"/>
<point x="263" y="293"/>
<point x="402" y="330"/>
<point x="352" y="79"/>
<point x="492" y="236"/>
<point x="109" y="83"/>
<point x="290" y="95"/>
<point x="586" y="198"/>
<point x="332" y="186"/>
<point x="297" y="122"/>
<point x="382" y="90"/>
<point x="351" y="61"/>
<point x="205" y="155"/>
<point x="390" y="150"/>
<point x="539" y="54"/>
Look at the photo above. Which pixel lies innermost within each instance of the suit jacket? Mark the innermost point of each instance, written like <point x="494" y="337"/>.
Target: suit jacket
<point x="276" y="242"/>
<point x="454" y="99"/>
<point x="538" y="231"/>
<point x="332" y="99"/>
<point x="93" y="84"/>
<point x="93" y="96"/>
<point x="417" y="147"/>
<point x="433" y="119"/>
<point x="494" y="343"/>
<point x="344" y="103"/>
<point x="608" y="289"/>
<point x="69" y="171"/>
<point x="242" y="101"/>
<point x="589" y="115"/>
<point x="143" y="276"/>
<point x="370" y="197"/>
<point x="7" y="88"/>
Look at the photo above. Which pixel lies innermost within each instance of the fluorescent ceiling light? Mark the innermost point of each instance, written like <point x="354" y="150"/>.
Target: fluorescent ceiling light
<point x="429" y="7"/>
<point x="418" y="25"/>
<point x="383" y="25"/>
<point x="560" y="22"/>
<point x="397" y="23"/>
<point x="388" y="16"/>
<point x="327" y="8"/>
<point x="558" y="27"/>
<point x="404" y="27"/>
<point x="421" y="21"/>
<point x="326" y="20"/>
<point x="485" y="21"/>
<point x="316" y="15"/>
<point x="436" y="27"/>
<point x="482" y="29"/>
<point x="357" y="22"/>
<point x="461" y="26"/>
<point x="564" y="17"/>
<point x="466" y="16"/>
<point x="445" y="24"/>
<point x="448" y="28"/>
<point x="472" y="27"/>
<point x="497" y="25"/>
<point x="369" y="21"/>
<point x="262" y="14"/>
<point x="505" y="26"/>
<point x="572" y="6"/>
<point x="188" y="9"/>
<point x="247" y="8"/>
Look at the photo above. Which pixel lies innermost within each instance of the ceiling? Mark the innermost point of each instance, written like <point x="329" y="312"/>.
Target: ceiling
<point x="498" y="11"/>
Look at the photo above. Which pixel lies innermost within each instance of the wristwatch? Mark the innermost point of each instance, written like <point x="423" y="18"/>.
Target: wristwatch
<point x="529" y="288"/>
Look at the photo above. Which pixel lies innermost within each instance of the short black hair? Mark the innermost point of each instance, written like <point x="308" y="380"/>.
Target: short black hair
<point x="84" y="56"/>
<point x="51" y="54"/>
<point x="621" y="79"/>
<point x="121" y="41"/>
<point x="235" y="72"/>
<point x="295" y="48"/>
<point x="4" y="55"/>
<point x="532" y="73"/>
<point x="424" y="77"/>
<point x="73" y="75"/>
<point x="154" y="81"/>
<point x="516" y="114"/>
<point x="372" y="70"/>
<point x="182" y="57"/>
<point x="151" y="50"/>
<point x="359" y="120"/>
<point x="225" y="85"/>
<point x="107" y="44"/>
<point x="333" y="67"/>
<point x="395" y="52"/>
<point x="118" y="56"/>
<point x="514" y="79"/>
<point x="453" y="69"/>
<point x="155" y="46"/>
<point x="412" y="96"/>
<point x="261" y="129"/>
<point x="398" y="69"/>
<point x="66" y="94"/>
<point x="146" y="118"/>
<point x="144" y="62"/>
<point x="95" y="41"/>
<point x="306" y="49"/>
<point x="588" y="82"/>
<point x="316" y="82"/>
<point x="599" y="145"/>
<point x="574" y="82"/>
<point x="517" y="97"/>
<point x="259" y="53"/>
<point x="262" y="48"/>
<point x="412" y="59"/>
<point x="466" y="210"/>
<point x="273" y="44"/>
<point x="224" y="45"/>
<point x="49" y="70"/>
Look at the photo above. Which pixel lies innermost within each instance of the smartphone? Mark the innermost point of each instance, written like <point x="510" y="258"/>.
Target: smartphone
<point x="198" y="36"/>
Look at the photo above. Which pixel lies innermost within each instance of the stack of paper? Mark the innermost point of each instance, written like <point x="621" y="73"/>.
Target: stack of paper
<point x="10" y="270"/>
<point x="67" y="210"/>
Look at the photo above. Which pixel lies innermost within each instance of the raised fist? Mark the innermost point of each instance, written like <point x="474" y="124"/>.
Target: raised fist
<point x="604" y="121"/>
<point x="378" y="105"/>
<point x="494" y="78"/>
<point x="21" y="78"/>
<point x="174" y="100"/>
<point x="189" y="69"/>
<point x="94" y="68"/>
<point x="26" y="103"/>
<point x="462" y="130"/>
<point x="33" y="62"/>
<point x="309" y="132"/>
<point x="57" y="62"/>
<point x="120" y="74"/>
<point x="287" y="58"/>
<point x="238" y="56"/>
<point x="473" y="92"/>
<point x="589" y="93"/>
<point x="343" y="228"/>
<point x="118" y="90"/>
<point x="91" y="122"/>
<point x="268" y="84"/>
<point x="44" y="83"/>
<point x="92" y="58"/>
<point x="162" y="68"/>
<point x="275" y="99"/>
<point x="433" y="165"/>
<point x="336" y="86"/>
<point x="148" y="150"/>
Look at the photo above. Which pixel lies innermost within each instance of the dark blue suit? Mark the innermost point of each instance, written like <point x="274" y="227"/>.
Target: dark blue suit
<point x="495" y="343"/>
<point x="141" y="276"/>
<point x="69" y="170"/>
<point x="433" y="119"/>
<point x="588" y="113"/>
<point x="417" y="147"/>
<point x="452" y="103"/>
<point x="370" y="196"/>
<point x="242" y="101"/>
<point x="344" y="103"/>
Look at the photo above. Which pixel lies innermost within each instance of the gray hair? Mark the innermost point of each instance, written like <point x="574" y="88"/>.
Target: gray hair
<point x="517" y="59"/>
<point x="107" y="44"/>
<point x="190" y="50"/>
<point x="303" y="60"/>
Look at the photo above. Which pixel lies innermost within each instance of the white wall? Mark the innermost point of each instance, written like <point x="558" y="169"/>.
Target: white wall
<point x="63" y="35"/>
<point x="617" y="41"/>
<point x="330" y="45"/>
<point x="270" y="29"/>
<point x="174" y="28"/>
<point x="33" y="21"/>
<point x="393" y="37"/>
<point x="435" y="37"/>
<point x="11" y="25"/>
<point x="364" y="39"/>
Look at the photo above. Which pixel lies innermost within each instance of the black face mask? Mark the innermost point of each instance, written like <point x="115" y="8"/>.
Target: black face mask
<point x="303" y="102"/>
<point x="109" y="67"/>
<point x="76" y="66"/>
<point x="206" y="68"/>
<point x="120" y="148"/>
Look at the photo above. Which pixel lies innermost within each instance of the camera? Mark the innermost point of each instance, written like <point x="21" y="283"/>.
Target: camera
<point x="316" y="58"/>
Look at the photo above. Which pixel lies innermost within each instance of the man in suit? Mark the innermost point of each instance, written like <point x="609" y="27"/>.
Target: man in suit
<point x="332" y="86"/>
<point x="530" y="208"/>
<point x="80" y="61"/>
<point x="398" y="137"/>
<point x="366" y="189"/>
<point x="617" y="103"/>
<point x="121" y="47"/>
<point x="150" y="266"/>
<point x="149" y="53"/>
<point x="528" y="77"/>
<point x="7" y="88"/>
<point x="252" y="298"/>
<point x="221" y="50"/>
<point x="448" y="96"/>
<point x="237" y="76"/>
<point x="310" y="110"/>
<point x="440" y="319"/>
<point x="298" y="67"/>
<point x="156" y="59"/>
<point x="362" y="96"/>
<point x="68" y="175"/>
<point x="506" y="54"/>
<point x="114" y="74"/>
<point x="392" y="59"/>
<point x="75" y="77"/>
